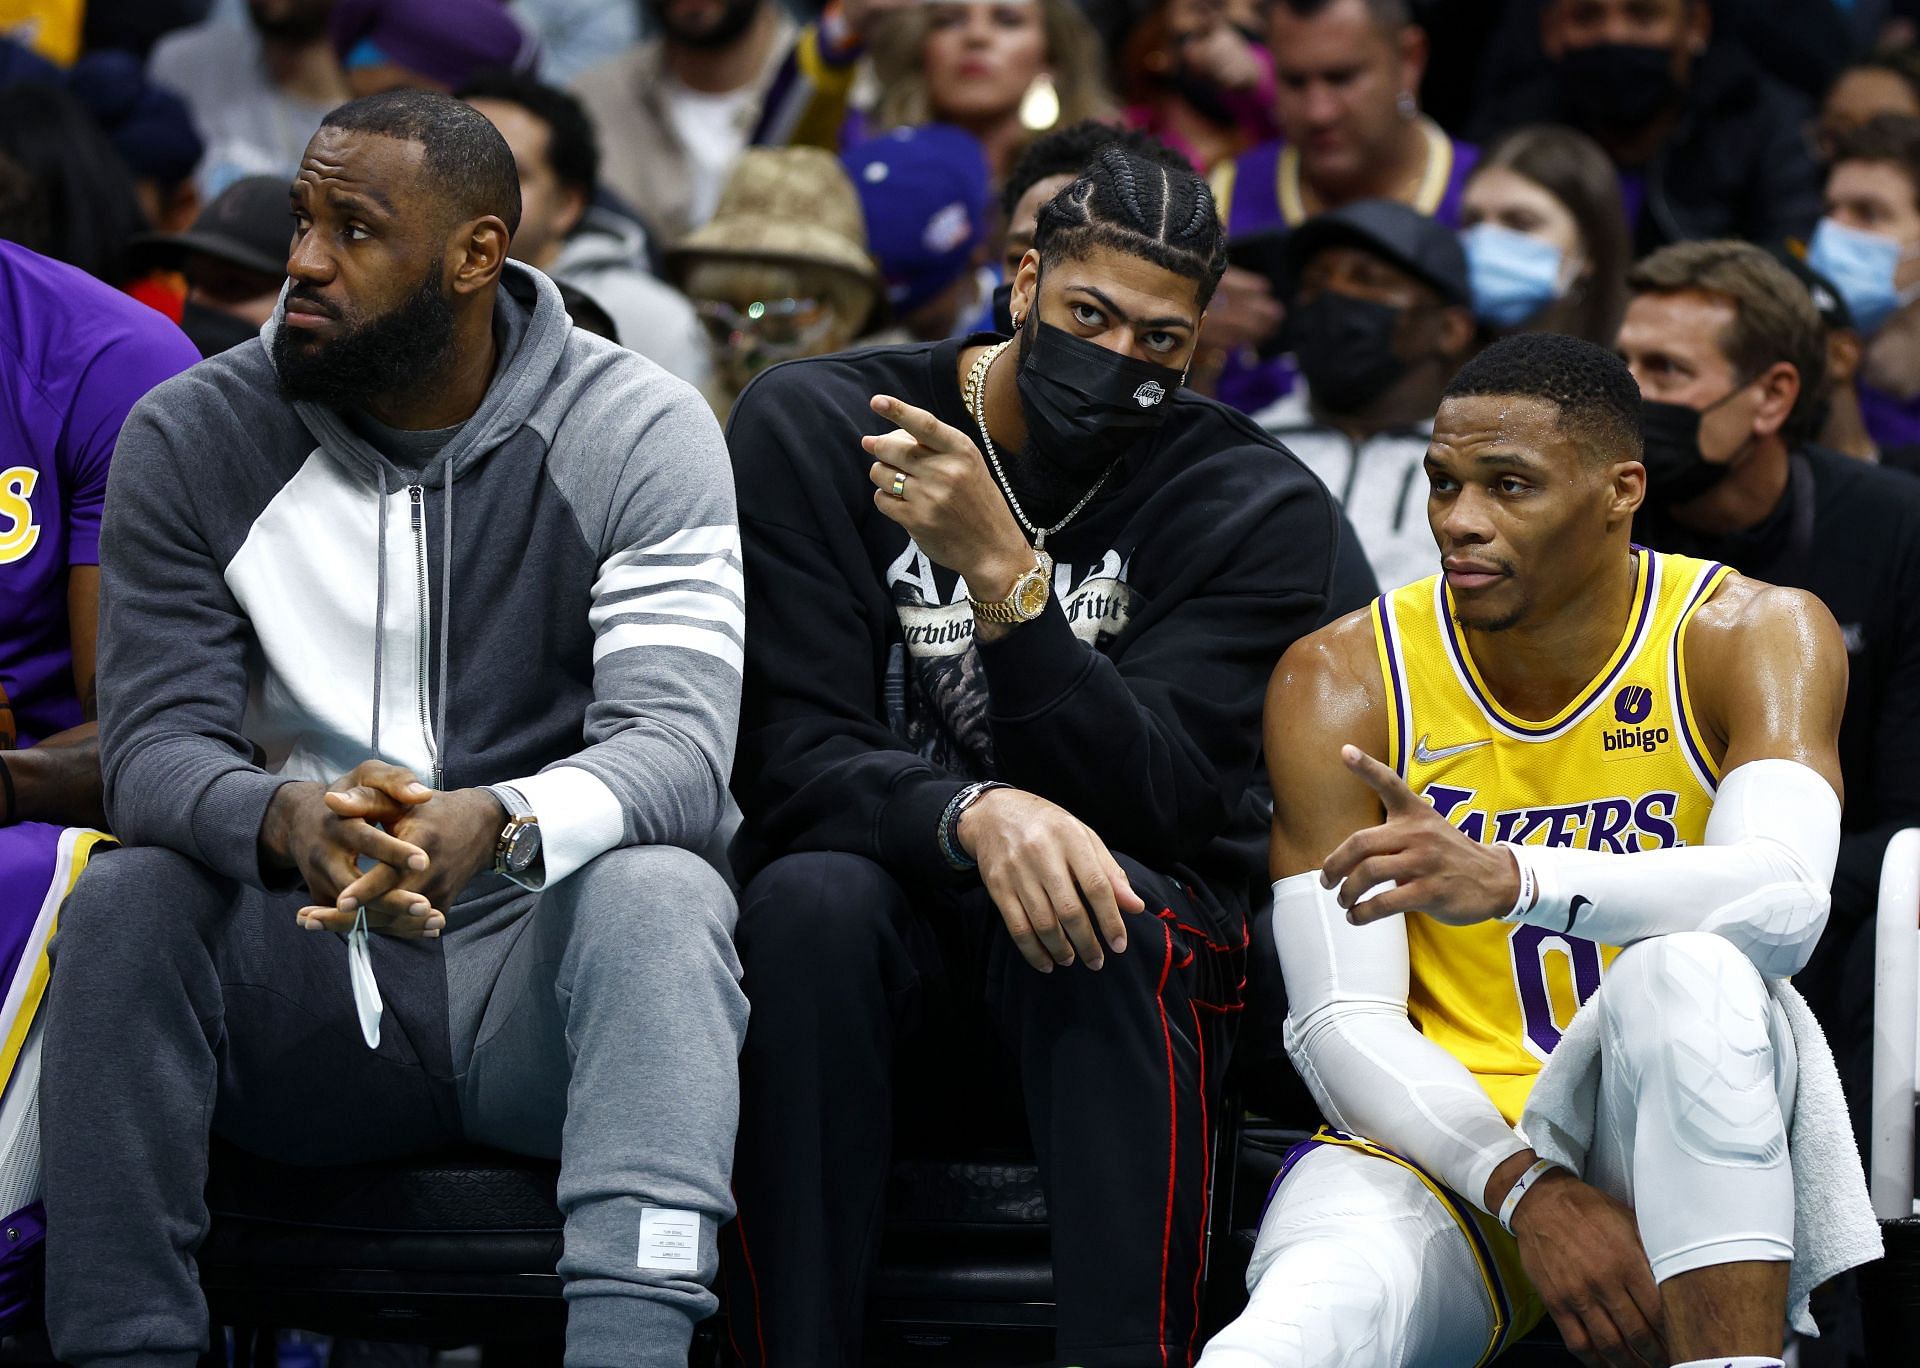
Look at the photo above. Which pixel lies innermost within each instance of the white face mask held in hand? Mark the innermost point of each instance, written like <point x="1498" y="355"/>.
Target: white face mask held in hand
<point x="366" y="990"/>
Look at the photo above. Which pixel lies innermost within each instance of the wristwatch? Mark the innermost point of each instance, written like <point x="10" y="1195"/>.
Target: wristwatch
<point x="1025" y="601"/>
<point x="518" y="849"/>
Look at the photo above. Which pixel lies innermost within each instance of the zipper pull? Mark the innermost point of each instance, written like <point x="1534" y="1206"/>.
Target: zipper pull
<point x="416" y="494"/>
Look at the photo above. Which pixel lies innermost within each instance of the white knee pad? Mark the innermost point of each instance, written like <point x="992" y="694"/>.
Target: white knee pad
<point x="1358" y="1265"/>
<point x="1688" y="1016"/>
<point x="1698" y="1078"/>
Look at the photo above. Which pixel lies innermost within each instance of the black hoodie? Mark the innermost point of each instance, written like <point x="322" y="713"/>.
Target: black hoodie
<point x="1133" y="701"/>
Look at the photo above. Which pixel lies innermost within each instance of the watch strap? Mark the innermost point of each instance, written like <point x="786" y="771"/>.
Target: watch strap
<point x="512" y="800"/>
<point x="1005" y="611"/>
<point x="957" y="859"/>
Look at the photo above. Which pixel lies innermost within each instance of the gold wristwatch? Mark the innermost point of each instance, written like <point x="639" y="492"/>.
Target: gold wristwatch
<point x="1025" y="601"/>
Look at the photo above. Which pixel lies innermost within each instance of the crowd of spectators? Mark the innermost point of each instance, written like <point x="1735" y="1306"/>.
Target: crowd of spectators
<point x="1725" y="192"/>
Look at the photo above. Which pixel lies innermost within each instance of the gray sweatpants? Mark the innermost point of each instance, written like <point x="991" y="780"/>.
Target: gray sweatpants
<point x="598" y="1022"/>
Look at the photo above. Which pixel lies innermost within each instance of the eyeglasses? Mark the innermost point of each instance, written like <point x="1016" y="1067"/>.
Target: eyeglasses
<point x="772" y="328"/>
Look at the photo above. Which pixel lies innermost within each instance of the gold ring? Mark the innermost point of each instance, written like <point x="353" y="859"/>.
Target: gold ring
<point x="899" y="488"/>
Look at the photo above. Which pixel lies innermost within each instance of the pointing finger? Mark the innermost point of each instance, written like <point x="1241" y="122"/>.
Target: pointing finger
<point x="1392" y="789"/>
<point x="926" y="429"/>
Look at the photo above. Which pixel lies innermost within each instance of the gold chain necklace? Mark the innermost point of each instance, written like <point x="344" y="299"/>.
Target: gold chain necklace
<point x="977" y="405"/>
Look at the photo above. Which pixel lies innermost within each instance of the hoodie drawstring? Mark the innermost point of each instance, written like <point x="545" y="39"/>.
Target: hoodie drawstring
<point x="446" y="614"/>
<point x="379" y="605"/>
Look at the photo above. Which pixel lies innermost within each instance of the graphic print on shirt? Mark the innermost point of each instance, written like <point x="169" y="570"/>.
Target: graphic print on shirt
<point x="937" y="688"/>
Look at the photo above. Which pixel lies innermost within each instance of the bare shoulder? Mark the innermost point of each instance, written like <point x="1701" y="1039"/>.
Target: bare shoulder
<point x="1751" y="620"/>
<point x="1329" y="685"/>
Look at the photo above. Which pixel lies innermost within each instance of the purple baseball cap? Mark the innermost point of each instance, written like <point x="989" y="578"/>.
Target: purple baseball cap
<point x="447" y="41"/>
<point x="925" y="195"/>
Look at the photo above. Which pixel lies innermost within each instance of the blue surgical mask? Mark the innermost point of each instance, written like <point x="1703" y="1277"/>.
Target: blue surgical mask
<point x="1514" y="276"/>
<point x="1861" y="267"/>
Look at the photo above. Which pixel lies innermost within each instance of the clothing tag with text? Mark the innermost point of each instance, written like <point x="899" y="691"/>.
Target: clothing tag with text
<point x="670" y="1240"/>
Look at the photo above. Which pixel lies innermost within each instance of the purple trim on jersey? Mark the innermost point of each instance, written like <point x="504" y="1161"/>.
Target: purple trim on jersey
<point x="1700" y="760"/>
<point x="1539" y="731"/>
<point x="1402" y="705"/>
<point x="75" y="355"/>
<point x="1890" y="422"/>
<point x="29" y="854"/>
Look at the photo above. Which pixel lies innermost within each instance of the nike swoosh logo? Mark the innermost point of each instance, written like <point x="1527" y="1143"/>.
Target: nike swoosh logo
<point x="1428" y="757"/>
<point x="1580" y="900"/>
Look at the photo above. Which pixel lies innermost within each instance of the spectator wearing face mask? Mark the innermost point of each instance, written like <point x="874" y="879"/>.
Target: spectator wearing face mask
<point x="1868" y="245"/>
<point x="1728" y="351"/>
<point x="1347" y="77"/>
<point x="1546" y="236"/>
<point x="1706" y="143"/>
<point x="1379" y="319"/>
<point x="1198" y="82"/>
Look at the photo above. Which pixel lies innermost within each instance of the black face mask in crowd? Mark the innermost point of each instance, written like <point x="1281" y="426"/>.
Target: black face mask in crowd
<point x="1344" y="347"/>
<point x="1087" y="406"/>
<point x="1676" y="471"/>
<point x="1617" y="87"/>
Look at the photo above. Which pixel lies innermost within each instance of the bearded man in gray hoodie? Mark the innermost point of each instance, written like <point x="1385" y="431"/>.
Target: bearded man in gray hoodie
<point x="329" y="704"/>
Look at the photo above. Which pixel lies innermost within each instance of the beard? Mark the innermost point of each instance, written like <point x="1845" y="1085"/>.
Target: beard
<point x="399" y="351"/>
<point x="734" y="20"/>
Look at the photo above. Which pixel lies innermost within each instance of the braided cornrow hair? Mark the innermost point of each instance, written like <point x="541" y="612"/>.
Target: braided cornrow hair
<point x="1142" y="207"/>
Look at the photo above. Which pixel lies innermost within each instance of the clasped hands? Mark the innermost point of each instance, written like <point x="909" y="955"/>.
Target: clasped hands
<point x="378" y="840"/>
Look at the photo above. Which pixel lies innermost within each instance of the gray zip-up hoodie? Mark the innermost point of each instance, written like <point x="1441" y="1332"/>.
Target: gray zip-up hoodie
<point x="553" y="602"/>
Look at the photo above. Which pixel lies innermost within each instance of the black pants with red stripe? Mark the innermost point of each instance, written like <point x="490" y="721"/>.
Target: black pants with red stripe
<point x="880" y="1019"/>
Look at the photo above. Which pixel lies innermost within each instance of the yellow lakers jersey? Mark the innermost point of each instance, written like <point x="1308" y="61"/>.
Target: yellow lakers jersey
<point x="1622" y="768"/>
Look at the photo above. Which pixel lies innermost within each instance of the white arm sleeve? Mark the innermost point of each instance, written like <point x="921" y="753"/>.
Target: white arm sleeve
<point x="1761" y="880"/>
<point x="1372" y="1073"/>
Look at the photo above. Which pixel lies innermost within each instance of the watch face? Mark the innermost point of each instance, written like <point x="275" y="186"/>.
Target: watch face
<point x="1030" y="595"/>
<point x="523" y="849"/>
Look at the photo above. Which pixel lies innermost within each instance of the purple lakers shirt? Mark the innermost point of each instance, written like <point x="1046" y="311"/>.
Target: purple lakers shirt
<point x="75" y="355"/>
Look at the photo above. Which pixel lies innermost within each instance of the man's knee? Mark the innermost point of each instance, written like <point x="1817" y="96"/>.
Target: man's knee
<point x="1688" y="1016"/>
<point x="652" y="896"/>
<point x="133" y="903"/>
<point x="818" y="913"/>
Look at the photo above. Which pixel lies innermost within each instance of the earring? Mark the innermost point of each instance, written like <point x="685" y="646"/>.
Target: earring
<point x="1016" y="322"/>
<point x="1040" y="106"/>
<point x="1408" y="109"/>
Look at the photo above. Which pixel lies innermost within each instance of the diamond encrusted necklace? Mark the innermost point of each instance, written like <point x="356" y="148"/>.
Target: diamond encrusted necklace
<point x="976" y="398"/>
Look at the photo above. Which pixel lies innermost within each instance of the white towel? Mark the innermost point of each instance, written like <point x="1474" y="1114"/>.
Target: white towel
<point x="1833" y="1223"/>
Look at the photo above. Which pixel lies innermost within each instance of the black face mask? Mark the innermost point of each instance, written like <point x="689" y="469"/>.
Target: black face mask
<point x="1087" y="406"/>
<point x="1344" y="347"/>
<point x="1676" y="471"/>
<point x="1617" y="87"/>
<point x="1003" y="310"/>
